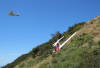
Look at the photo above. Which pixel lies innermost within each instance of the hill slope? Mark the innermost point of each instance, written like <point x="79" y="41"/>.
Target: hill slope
<point x="83" y="51"/>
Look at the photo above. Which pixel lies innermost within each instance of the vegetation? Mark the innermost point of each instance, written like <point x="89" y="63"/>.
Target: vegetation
<point x="82" y="52"/>
<point x="17" y="61"/>
<point x="99" y="43"/>
<point x="76" y="56"/>
<point x="73" y="29"/>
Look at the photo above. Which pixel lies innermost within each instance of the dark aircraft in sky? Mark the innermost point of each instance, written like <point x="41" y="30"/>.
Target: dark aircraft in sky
<point x="12" y="13"/>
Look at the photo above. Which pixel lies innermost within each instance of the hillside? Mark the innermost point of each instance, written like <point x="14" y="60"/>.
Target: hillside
<point x="83" y="51"/>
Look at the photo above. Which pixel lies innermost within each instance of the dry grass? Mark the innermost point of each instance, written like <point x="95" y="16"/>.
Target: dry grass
<point x="89" y="28"/>
<point x="42" y="62"/>
<point x="93" y="28"/>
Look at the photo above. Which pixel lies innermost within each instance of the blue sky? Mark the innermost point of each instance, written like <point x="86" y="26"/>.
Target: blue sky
<point x="37" y="21"/>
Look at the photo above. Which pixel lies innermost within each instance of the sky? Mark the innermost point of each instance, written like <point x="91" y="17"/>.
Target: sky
<point x="37" y="21"/>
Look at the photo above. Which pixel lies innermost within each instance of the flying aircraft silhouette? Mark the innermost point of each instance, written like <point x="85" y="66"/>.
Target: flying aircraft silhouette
<point x="12" y="13"/>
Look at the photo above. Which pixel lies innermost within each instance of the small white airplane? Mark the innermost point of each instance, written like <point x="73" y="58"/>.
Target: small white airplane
<point x="57" y="45"/>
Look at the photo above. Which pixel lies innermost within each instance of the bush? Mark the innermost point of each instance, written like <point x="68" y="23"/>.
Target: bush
<point x="74" y="28"/>
<point x="99" y="43"/>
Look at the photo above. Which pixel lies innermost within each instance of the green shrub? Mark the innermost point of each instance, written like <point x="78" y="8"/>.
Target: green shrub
<point x="76" y="27"/>
<point x="99" y="43"/>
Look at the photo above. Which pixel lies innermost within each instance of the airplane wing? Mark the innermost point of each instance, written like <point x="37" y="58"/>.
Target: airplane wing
<point x="67" y="40"/>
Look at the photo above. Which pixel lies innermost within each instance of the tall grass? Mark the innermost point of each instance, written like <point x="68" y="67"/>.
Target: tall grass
<point x="75" y="56"/>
